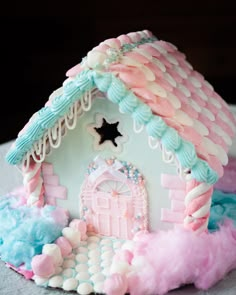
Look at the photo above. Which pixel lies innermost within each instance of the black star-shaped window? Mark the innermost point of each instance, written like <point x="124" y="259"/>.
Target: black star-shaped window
<point x="108" y="132"/>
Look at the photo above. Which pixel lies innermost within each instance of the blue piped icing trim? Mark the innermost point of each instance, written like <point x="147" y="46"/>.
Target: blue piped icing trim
<point x="128" y="103"/>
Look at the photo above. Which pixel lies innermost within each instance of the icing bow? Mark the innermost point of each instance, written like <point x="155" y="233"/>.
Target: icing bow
<point x="104" y="166"/>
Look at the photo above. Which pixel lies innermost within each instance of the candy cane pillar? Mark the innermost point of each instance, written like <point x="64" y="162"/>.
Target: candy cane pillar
<point x="197" y="204"/>
<point x="33" y="183"/>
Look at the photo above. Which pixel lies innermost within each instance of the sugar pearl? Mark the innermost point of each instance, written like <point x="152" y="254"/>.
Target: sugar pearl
<point x="81" y="267"/>
<point x="85" y="289"/>
<point x="70" y="284"/>
<point x="98" y="287"/>
<point x="99" y="277"/>
<point x="56" y="282"/>
<point x="82" y="258"/>
<point x="82" y="276"/>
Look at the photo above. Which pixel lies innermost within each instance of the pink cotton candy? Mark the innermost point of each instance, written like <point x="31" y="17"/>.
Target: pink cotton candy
<point x="165" y="260"/>
<point x="43" y="265"/>
<point x="116" y="284"/>
<point x="19" y="191"/>
<point x="127" y="256"/>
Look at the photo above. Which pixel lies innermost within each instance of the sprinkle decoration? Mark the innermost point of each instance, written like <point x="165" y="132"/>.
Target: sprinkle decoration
<point x="128" y="169"/>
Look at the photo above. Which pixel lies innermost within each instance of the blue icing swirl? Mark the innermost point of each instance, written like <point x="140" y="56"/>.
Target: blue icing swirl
<point x="128" y="103"/>
<point x="186" y="154"/>
<point x="142" y="114"/>
<point x="84" y="81"/>
<point x="46" y="118"/>
<point x="70" y="89"/>
<point x="203" y="173"/>
<point x="14" y="156"/>
<point x="102" y="81"/>
<point x="117" y="90"/>
<point x="156" y="127"/>
<point x="23" y="142"/>
<point x="60" y="105"/>
<point x="171" y="140"/>
<point x="34" y="131"/>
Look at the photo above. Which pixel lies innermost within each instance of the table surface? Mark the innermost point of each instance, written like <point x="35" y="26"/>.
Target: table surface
<point x="13" y="283"/>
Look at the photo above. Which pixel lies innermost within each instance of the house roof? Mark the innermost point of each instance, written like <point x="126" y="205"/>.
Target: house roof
<point x="152" y="80"/>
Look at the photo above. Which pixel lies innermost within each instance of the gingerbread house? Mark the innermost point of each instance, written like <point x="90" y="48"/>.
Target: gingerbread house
<point x="118" y="172"/>
<point x="134" y="138"/>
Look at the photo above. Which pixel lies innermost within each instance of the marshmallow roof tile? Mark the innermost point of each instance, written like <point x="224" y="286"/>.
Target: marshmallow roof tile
<point x="159" y="75"/>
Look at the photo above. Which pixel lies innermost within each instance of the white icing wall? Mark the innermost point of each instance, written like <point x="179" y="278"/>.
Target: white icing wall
<point x="76" y="151"/>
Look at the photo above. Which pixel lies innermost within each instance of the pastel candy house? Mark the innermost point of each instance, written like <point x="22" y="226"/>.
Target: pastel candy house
<point x="119" y="169"/>
<point x="134" y="140"/>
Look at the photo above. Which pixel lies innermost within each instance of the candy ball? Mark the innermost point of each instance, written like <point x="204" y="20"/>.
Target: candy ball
<point x="72" y="235"/>
<point x="54" y="251"/>
<point x="79" y="225"/>
<point x="43" y="265"/>
<point x="64" y="246"/>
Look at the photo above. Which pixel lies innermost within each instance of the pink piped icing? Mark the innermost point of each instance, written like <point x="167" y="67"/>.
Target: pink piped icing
<point x="135" y="55"/>
<point x="74" y="71"/>
<point x="133" y="78"/>
<point x="124" y="39"/>
<point x="151" y="50"/>
<point x="190" y="134"/>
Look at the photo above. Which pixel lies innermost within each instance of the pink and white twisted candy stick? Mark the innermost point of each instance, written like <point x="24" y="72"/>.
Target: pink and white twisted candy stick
<point x="197" y="204"/>
<point x="33" y="183"/>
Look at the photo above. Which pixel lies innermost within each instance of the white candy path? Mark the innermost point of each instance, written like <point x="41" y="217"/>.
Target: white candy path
<point x="86" y="269"/>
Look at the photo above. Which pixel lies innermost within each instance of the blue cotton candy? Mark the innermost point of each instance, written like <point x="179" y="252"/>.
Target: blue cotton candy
<point x="25" y="230"/>
<point x="223" y="207"/>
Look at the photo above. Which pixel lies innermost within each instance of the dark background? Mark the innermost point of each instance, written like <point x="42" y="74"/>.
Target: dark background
<point x="39" y="44"/>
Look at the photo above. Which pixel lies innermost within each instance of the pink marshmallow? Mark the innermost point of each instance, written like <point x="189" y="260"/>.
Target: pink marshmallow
<point x="79" y="225"/>
<point x="64" y="246"/>
<point x="43" y="265"/>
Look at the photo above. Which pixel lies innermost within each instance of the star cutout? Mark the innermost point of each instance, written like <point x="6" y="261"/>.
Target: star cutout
<point x="108" y="132"/>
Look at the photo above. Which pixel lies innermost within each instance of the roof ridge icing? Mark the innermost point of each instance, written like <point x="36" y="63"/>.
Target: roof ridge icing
<point x="151" y="81"/>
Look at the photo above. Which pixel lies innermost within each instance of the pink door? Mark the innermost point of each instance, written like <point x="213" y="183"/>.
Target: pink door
<point x="112" y="202"/>
<point x="114" y="205"/>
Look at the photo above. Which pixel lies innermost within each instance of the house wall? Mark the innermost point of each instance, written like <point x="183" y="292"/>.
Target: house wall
<point x="76" y="151"/>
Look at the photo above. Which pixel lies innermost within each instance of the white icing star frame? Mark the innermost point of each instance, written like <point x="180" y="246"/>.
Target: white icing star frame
<point x="120" y="140"/>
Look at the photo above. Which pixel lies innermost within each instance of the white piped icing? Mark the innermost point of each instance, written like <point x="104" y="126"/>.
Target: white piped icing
<point x="52" y="138"/>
